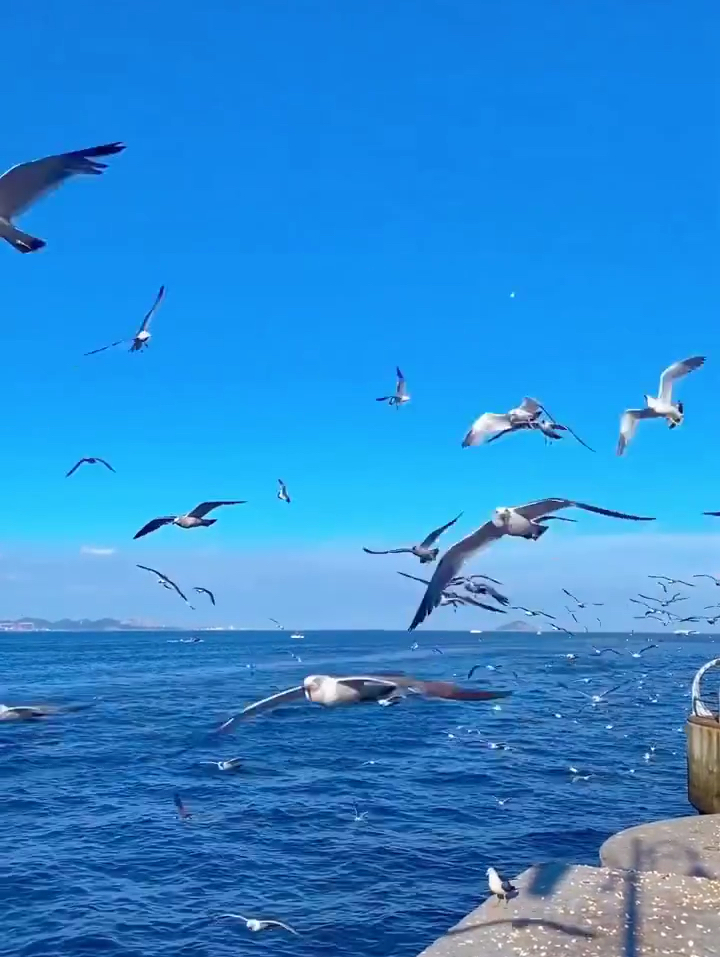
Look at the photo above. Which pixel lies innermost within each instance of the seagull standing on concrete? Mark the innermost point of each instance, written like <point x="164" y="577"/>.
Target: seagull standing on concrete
<point x="142" y="336"/>
<point x="22" y="185"/>
<point x="522" y="521"/>
<point x="423" y="551"/>
<point x="502" y="889"/>
<point x="91" y="460"/>
<point x="401" y="393"/>
<point x="661" y="407"/>
<point x="194" y="519"/>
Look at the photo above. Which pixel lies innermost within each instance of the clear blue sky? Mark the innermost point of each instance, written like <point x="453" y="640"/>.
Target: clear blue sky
<point x="328" y="189"/>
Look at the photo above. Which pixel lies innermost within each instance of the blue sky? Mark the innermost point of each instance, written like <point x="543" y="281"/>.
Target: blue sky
<point x="327" y="190"/>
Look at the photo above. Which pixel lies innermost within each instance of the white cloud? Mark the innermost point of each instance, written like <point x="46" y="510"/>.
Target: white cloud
<point x="91" y="550"/>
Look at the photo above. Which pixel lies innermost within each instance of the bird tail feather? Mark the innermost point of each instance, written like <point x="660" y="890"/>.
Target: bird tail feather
<point x="209" y="521"/>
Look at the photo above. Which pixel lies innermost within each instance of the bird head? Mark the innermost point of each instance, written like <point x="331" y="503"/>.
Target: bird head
<point x="501" y="517"/>
<point x="431" y="555"/>
<point x="311" y="684"/>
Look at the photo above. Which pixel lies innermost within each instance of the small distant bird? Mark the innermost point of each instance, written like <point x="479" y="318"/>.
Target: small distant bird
<point x="502" y="801"/>
<point x="601" y="651"/>
<point x="185" y="815"/>
<point x="91" y="460"/>
<point x="331" y="691"/>
<point x="639" y="654"/>
<point x="582" y="604"/>
<point x="531" y="613"/>
<point x="438" y="651"/>
<point x="670" y="581"/>
<point x="193" y="519"/>
<point x="522" y="521"/>
<point x="661" y="407"/>
<point x="401" y="393"/>
<point x="277" y="623"/>
<point x="232" y="764"/>
<point x="22" y="185"/>
<point x="255" y="925"/>
<point x="359" y="817"/>
<point x="204" y="591"/>
<point x="423" y="551"/>
<point x="283" y="492"/>
<point x="712" y="578"/>
<point x="452" y="597"/>
<point x="595" y="698"/>
<point x="665" y="602"/>
<point x="502" y="889"/>
<point x="165" y="581"/>
<point x="142" y="336"/>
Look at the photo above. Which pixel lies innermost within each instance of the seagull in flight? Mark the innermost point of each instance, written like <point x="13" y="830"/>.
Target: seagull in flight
<point x="91" y="460"/>
<point x="283" y="492"/>
<point x="491" y="425"/>
<point x="256" y="925"/>
<point x="401" y="393"/>
<point x="204" y="591"/>
<point x="522" y="521"/>
<point x="595" y="698"/>
<point x="712" y="578"/>
<point x="663" y="581"/>
<point x="480" y="588"/>
<point x="423" y="551"/>
<point x="531" y="613"/>
<point x="639" y="654"/>
<point x="661" y="407"/>
<point x="582" y="604"/>
<point x="665" y="602"/>
<point x="165" y="581"/>
<point x="452" y="597"/>
<point x="22" y="185"/>
<point x="142" y="336"/>
<point x="601" y="651"/>
<point x="331" y="691"/>
<point x="194" y="519"/>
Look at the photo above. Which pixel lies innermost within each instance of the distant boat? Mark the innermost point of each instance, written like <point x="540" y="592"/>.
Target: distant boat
<point x="476" y="631"/>
<point x="297" y="636"/>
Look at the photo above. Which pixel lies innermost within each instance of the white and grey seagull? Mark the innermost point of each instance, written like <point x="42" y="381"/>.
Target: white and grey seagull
<point x="502" y="889"/>
<point x="423" y="551"/>
<point x="22" y="185"/>
<point x="142" y="336"/>
<point x="527" y="416"/>
<point x="194" y="519"/>
<point x="661" y="407"/>
<point x="401" y="393"/>
<point x="332" y="691"/>
<point x="452" y="597"/>
<point x="283" y="492"/>
<point x="90" y="460"/>
<point x="255" y="925"/>
<point x="522" y="521"/>
<point x="165" y="582"/>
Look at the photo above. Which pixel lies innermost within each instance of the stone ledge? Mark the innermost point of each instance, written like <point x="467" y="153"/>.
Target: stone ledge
<point x="686" y="845"/>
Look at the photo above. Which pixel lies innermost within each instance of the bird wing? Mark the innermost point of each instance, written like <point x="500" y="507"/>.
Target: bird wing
<point x="151" y="311"/>
<point x="676" y="371"/>
<point x="205" y="591"/>
<point x="646" y="648"/>
<point x="106" y="464"/>
<point x="712" y="513"/>
<point x="164" y="578"/>
<point x="416" y="578"/>
<point x="628" y="424"/>
<point x="201" y="510"/>
<point x="538" y="509"/>
<point x="485" y="425"/>
<point x="75" y="467"/>
<point x="103" y="348"/>
<point x="450" y="564"/>
<point x="434" y="535"/>
<point x="486" y="577"/>
<point x="569" y="594"/>
<point x="154" y="525"/>
<point x="22" y="185"/>
<point x="467" y="600"/>
<point x="445" y="689"/>
<point x="279" y="923"/>
<point x="290" y="694"/>
<point x="712" y="577"/>
<point x="388" y="551"/>
<point x="531" y="405"/>
<point x="401" y="387"/>
<point x="508" y="431"/>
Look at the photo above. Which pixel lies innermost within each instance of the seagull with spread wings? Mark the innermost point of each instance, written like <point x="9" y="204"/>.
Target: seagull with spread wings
<point x="452" y="597"/>
<point x="582" y="604"/>
<point x="527" y="416"/>
<point x="401" y="393"/>
<point x="423" y="551"/>
<point x="204" y="591"/>
<point x="283" y="492"/>
<point x="194" y="519"/>
<point x="22" y="185"/>
<point x="255" y="925"/>
<point x="142" y="336"/>
<point x="91" y="460"/>
<point x="522" y="521"/>
<point x="165" y="582"/>
<point x="331" y="691"/>
<point x="661" y="407"/>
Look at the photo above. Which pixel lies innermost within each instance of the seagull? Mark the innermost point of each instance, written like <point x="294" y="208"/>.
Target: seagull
<point x="595" y="698"/>
<point x="31" y="712"/>
<point x="423" y="551"/>
<point x="165" y="581"/>
<point x="572" y="614"/>
<point x="359" y="816"/>
<point x="582" y="604"/>
<point x="480" y="588"/>
<point x="277" y="624"/>
<point x="452" y="598"/>
<point x="331" y="691"/>
<point x="91" y="460"/>
<point x="204" y="591"/>
<point x="670" y="581"/>
<point x="185" y="815"/>
<point x="500" y="888"/>
<point x="664" y="602"/>
<point x="639" y="654"/>
<point x="531" y="613"/>
<point x="193" y="519"/>
<point x="142" y="336"/>
<point x="490" y="423"/>
<point x="564" y="630"/>
<point x="255" y="925"/>
<point x="477" y="668"/>
<point x="401" y="394"/>
<point x="502" y="801"/>
<point x="232" y="764"/>
<point x="601" y="651"/>
<point x="712" y="578"/>
<point x="522" y="521"/>
<point x="283" y="492"/>
<point x="22" y="185"/>
<point x="662" y="407"/>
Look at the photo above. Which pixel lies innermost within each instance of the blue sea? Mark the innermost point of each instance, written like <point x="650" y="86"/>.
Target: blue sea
<point x="97" y="862"/>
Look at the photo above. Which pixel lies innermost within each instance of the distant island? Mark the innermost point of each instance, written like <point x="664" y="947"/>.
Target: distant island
<point x="519" y="626"/>
<point x="84" y="624"/>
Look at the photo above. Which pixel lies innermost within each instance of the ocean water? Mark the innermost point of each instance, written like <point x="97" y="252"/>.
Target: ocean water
<point x="97" y="862"/>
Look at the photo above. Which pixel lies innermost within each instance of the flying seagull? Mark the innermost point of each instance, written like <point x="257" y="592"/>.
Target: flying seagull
<point x="522" y="521"/>
<point x="582" y="604"/>
<point x="663" y="580"/>
<point x="401" y="393"/>
<point x="331" y="691"/>
<point x="204" y="591"/>
<point x="193" y="519"/>
<point x="492" y="426"/>
<point x="423" y="551"/>
<point x="595" y="698"/>
<point x="256" y="925"/>
<point x="164" y="580"/>
<point x="142" y="336"/>
<point x="712" y="578"/>
<point x="502" y="889"/>
<point x="22" y="185"/>
<point x="531" y="613"/>
<point x="481" y="588"/>
<point x="283" y="492"/>
<point x="661" y="407"/>
<point x="639" y="654"/>
<point x="91" y="460"/>
<point x="452" y="597"/>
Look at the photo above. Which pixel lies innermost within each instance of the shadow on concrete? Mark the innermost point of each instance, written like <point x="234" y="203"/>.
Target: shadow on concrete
<point x="545" y="879"/>
<point x="520" y="922"/>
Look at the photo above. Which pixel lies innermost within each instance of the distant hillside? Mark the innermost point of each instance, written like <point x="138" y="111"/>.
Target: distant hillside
<point x="82" y="624"/>
<point x="519" y="626"/>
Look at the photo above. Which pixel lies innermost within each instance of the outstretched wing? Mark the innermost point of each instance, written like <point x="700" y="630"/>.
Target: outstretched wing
<point x="543" y="507"/>
<point x="267" y="704"/>
<point x="445" y="689"/>
<point x="75" y="467"/>
<point x="206" y="591"/>
<point x="484" y="426"/>
<point x="401" y="387"/>
<point x="106" y="464"/>
<point x="389" y="551"/>
<point x="151" y="312"/>
<point x="628" y="424"/>
<point x="164" y="578"/>
<point x="201" y="510"/>
<point x="103" y="348"/>
<point x="467" y="600"/>
<point x="674" y="372"/>
<point x="434" y="535"/>
<point x="154" y="525"/>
